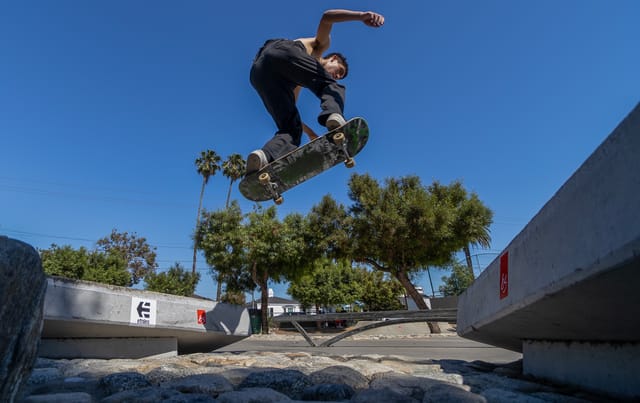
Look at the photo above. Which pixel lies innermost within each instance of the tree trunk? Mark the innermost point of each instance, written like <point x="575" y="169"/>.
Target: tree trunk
<point x="264" y="296"/>
<point x="195" y="244"/>
<point x="467" y="255"/>
<point x="264" y="301"/>
<point x="226" y="205"/>
<point x="318" y="323"/>
<point x="219" y="287"/>
<point x="402" y="276"/>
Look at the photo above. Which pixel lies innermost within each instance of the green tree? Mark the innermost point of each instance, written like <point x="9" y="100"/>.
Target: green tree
<point x="459" y="280"/>
<point x="207" y="165"/>
<point x="400" y="228"/>
<point x="80" y="264"/>
<point x="472" y="218"/>
<point x="378" y="293"/>
<point x="233" y="168"/>
<point x="327" y="283"/>
<point x="328" y="229"/>
<point x="234" y="297"/>
<point x="139" y="256"/>
<point x="64" y="261"/>
<point x="220" y="236"/>
<point x="176" y="281"/>
<point x="275" y="251"/>
<point x="107" y="268"/>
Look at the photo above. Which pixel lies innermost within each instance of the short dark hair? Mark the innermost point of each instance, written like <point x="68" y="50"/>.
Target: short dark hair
<point x="342" y="59"/>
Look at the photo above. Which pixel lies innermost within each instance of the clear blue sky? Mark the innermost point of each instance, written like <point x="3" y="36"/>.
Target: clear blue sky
<point x="104" y="106"/>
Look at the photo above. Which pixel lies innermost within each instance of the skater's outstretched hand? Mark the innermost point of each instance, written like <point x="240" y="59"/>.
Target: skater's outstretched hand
<point x="372" y="19"/>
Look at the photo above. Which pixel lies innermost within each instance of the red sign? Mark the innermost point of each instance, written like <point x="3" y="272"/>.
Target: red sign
<point x="504" y="275"/>
<point x="202" y="317"/>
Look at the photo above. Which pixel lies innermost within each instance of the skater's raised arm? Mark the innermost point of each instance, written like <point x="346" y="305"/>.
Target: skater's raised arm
<point x="322" y="39"/>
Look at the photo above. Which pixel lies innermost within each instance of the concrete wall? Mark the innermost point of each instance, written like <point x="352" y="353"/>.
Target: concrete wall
<point x="80" y="309"/>
<point x="572" y="274"/>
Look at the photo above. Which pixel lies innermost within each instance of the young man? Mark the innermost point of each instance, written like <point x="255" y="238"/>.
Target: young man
<point x="282" y="67"/>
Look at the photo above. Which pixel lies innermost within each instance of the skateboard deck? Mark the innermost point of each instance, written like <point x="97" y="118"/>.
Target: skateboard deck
<point x="326" y="151"/>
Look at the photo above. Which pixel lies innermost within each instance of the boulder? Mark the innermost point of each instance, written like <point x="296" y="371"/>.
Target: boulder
<point x="22" y="289"/>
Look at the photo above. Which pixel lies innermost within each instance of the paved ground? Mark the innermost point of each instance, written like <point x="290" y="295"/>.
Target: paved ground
<point x="449" y="347"/>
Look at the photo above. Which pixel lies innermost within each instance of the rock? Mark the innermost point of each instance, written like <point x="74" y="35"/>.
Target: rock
<point x="445" y="393"/>
<point x="115" y="383"/>
<point x="507" y="396"/>
<point x="402" y="384"/>
<point x="289" y="382"/>
<point x="209" y="384"/>
<point x="22" y="290"/>
<point x="382" y="395"/>
<point x="328" y="393"/>
<point x="74" y="397"/>
<point x="253" y="395"/>
<point x="340" y="374"/>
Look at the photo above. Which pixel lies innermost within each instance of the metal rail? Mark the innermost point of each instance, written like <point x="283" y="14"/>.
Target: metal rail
<point x="385" y="318"/>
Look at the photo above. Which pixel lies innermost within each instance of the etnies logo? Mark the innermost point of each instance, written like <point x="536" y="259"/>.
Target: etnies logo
<point x="504" y="275"/>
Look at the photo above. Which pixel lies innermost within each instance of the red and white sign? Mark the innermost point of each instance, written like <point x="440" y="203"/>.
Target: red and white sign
<point x="202" y="317"/>
<point x="504" y="275"/>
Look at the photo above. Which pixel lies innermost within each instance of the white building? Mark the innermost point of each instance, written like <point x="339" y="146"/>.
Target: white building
<point x="279" y="306"/>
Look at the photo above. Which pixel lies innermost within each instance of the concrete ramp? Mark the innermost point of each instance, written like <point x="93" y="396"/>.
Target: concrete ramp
<point x="565" y="292"/>
<point x="91" y="320"/>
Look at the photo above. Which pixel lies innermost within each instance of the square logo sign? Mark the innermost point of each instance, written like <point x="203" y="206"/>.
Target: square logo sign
<point x="143" y="311"/>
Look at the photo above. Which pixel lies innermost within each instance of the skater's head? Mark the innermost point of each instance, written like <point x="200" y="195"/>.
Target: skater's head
<point x="336" y="65"/>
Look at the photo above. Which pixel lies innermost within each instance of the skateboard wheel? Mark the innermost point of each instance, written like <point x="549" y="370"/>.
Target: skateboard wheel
<point x="338" y="138"/>
<point x="278" y="200"/>
<point x="350" y="163"/>
<point x="264" y="178"/>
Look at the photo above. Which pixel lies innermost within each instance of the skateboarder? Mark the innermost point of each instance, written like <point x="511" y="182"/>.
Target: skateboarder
<point x="282" y="67"/>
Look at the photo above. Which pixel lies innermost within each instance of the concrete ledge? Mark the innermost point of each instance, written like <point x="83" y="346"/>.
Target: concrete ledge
<point x="77" y="310"/>
<point x="571" y="275"/>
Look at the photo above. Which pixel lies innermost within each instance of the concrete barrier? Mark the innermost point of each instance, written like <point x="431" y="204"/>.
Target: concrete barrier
<point x="91" y="320"/>
<point x="565" y="290"/>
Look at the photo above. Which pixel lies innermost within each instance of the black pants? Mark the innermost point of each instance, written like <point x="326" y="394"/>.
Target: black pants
<point x="279" y="67"/>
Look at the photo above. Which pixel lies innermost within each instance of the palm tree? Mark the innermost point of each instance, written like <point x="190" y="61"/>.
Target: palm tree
<point x="233" y="168"/>
<point x="207" y="165"/>
<point x="477" y="219"/>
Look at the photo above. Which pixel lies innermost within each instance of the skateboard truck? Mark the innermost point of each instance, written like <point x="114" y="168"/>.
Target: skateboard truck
<point x="340" y="141"/>
<point x="270" y="187"/>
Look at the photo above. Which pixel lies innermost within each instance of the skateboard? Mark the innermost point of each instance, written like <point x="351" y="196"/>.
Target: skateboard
<point x="305" y="162"/>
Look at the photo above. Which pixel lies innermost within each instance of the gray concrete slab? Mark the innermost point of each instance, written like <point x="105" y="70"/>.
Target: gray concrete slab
<point x="85" y="310"/>
<point x="571" y="275"/>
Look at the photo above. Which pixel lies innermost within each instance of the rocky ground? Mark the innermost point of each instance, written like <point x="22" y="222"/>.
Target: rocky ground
<point x="263" y="376"/>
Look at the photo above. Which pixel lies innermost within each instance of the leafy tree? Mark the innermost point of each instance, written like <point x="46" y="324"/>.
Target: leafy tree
<point x="326" y="284"/>
<point x="472" y="217"/>
<point x="64" y="261"/>
<point x="234" y="297"/>
<point x="400" y="228"/>
<point x="378" y="293"/>
<point x="207" y="165"/>
<point x="140" y="258"/>
<point x="275" y="251"/>
<point x="221" y="238"/>
<point x="80" y="264"/>
<point x="176" y="281"/>
<point x="107" y="268"/>
<point x="233" y="168"/>
<point x="328" y="233"/>
<point x="459" y="280"/>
